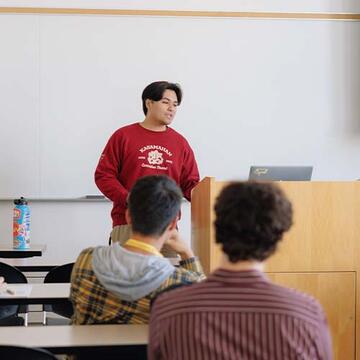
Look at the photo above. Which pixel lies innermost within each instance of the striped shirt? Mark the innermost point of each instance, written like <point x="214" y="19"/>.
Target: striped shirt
<point x="237" y="315"/>
<point x="93" y="304"/>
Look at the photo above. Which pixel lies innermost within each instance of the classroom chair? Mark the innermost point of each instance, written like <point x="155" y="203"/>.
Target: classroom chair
<point x="59" y="274"/>
<point x="9" y="313"/>
<point x="21" y="353"/>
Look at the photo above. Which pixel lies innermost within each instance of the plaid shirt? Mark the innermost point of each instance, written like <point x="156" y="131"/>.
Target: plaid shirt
<point x="93" y="304"/>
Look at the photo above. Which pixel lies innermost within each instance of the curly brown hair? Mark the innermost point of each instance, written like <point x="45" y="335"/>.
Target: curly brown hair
<point x="251" y="218"/>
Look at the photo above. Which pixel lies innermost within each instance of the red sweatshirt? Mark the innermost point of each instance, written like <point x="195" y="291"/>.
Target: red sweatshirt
<point x="132" y="152"/>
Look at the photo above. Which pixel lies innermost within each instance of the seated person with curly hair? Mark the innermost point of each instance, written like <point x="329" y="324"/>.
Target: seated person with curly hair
<point x="238" y="313"/>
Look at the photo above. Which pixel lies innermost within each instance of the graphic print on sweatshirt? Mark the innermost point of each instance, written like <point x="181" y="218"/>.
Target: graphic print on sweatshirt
<point x="155" y="157"/>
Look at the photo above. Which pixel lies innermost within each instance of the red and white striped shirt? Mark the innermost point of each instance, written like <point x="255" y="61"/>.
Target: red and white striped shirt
<point x="238" y="315"/>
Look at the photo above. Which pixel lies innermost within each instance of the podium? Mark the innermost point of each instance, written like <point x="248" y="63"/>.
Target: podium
<point x="320" y="255"/>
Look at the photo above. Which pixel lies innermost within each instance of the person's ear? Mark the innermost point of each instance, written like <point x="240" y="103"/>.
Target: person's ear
<point x="148" y="103"/>
<point x="127" y="216"/>
<point x="173" y="224"/>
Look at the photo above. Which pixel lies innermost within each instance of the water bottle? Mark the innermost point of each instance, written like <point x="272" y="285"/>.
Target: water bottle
<point x="21" y="224"/>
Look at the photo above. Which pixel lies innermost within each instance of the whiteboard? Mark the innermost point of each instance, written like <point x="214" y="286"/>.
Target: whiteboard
<point x="256" y="92"/>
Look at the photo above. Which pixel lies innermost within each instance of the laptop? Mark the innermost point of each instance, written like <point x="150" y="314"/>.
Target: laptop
<point x="285" y="173"/>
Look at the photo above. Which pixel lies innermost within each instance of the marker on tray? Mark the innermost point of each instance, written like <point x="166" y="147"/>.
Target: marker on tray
<point x="10" y="292"/>
<point x="94" y="197"/>
<point x="6" y="290"/>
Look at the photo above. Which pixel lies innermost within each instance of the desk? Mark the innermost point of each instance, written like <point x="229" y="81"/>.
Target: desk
<point x="45" y="264"/>
<point x="48" y="293"/>
<point x="36" y="264"/>
<point x="34" y="250"/>
<point x="77" y="338"/>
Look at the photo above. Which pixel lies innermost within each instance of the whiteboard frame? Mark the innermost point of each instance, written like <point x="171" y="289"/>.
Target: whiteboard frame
<point x="187" y="13"/>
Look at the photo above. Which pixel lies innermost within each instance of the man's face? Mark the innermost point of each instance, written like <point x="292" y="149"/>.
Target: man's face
<point x="163" y="111"/>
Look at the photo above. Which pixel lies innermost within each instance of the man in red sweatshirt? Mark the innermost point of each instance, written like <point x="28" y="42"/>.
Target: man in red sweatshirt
<point x="146" y="148"/>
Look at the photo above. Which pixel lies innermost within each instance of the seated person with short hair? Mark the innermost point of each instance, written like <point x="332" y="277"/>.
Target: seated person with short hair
<point x="238" y="313"/>
<point x="115" y="284"/>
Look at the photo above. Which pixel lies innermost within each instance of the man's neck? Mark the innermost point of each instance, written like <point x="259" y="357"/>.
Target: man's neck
<point x="240" y="265"/>
<point x="157" y="243"/>
<point x="153" y="125"/>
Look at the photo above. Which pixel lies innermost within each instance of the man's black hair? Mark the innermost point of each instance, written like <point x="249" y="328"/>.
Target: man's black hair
<point x="154" y="201"/>
<point x="155" y="92"/>
<point x="251" y="218"/>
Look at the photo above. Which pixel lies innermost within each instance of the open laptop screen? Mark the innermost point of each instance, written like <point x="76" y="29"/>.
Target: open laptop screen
<point x="285" y="173"/>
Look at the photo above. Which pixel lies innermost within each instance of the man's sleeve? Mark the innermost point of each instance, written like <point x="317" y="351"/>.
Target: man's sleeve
<point x="189" y="173"/>
<point x="325" y="338"/>
<point x="153" y="349"/>
<point x="75" y="286"/>
<point x="106" y="173"/>
<point x="190" y="271"/>
<point x="192" y="267"/>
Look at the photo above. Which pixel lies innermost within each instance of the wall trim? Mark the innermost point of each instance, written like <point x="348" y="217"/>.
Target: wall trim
<point x="186" y="13"/>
